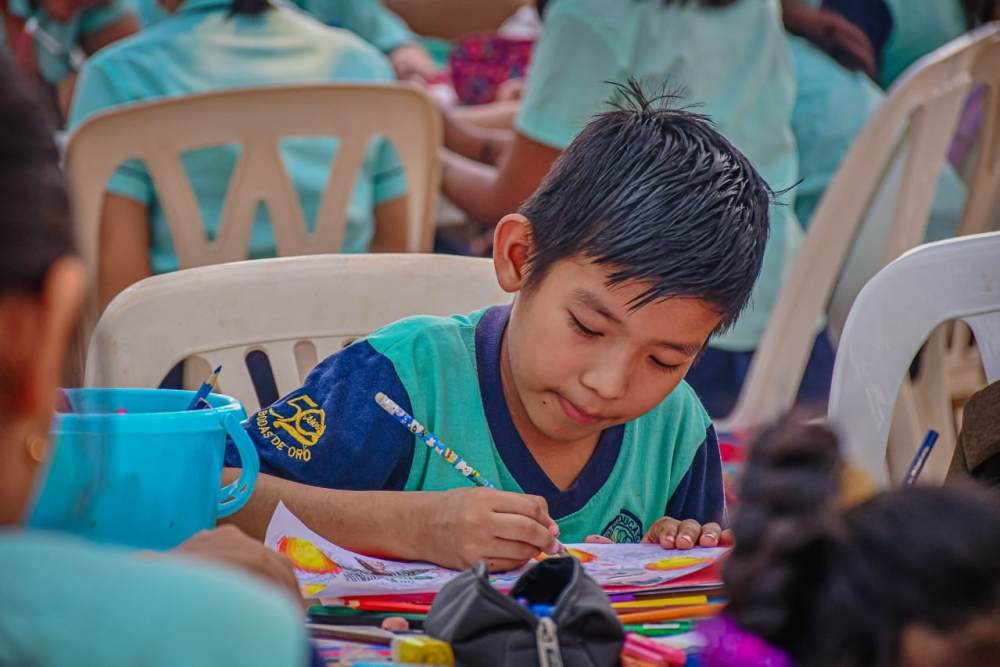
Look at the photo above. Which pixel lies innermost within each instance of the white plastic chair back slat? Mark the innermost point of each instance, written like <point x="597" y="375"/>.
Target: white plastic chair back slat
<point x="876" y="207"/>
<point x="892" y="317"/>
<point x="298" y="310"/>
<point x="257" y="119"/>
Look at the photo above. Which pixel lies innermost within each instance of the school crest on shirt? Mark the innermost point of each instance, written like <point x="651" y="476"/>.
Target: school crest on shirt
<point x="626" y="527"/>
<point x="299" y="420"/>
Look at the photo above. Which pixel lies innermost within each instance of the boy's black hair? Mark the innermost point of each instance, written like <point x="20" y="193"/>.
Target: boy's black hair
<point x="34" y="207"/>
<point x="835" y="587"/>
<point x="658" y="196"/>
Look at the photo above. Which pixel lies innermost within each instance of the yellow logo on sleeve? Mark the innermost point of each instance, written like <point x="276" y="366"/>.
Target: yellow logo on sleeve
<point x="305" y="425"/>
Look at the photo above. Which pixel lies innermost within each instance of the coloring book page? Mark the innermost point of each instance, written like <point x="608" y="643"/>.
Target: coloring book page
<point x="325" y="570"/>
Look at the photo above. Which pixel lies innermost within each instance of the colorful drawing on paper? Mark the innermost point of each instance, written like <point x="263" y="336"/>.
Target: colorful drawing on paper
<point x="579" y="554"/>
<point x="676" y="562"/>
<point x="325" y="570"/>
<point x="306" y="556"/>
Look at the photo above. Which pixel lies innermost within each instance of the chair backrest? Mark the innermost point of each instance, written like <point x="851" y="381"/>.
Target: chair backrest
<point x="257" y="119"/>
<point x="892" y="317"/>
<point x="877" y="207"/>
<point x="296" y="310"/>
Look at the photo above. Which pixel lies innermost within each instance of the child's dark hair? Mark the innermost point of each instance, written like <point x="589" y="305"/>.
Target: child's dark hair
<point x="249" y="7"/>
<point x="542" y="4"/>
<point x="978" y="12"/>
<point x="839" y="588"/>
<point x="34" y="207"/>
<point x="658" y="196"/>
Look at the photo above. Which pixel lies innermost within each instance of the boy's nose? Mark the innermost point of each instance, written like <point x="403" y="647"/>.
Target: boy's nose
<point x="608" y="379"/>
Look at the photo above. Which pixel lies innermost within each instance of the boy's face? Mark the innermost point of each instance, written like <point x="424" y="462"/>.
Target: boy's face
<point x="580" y="360"/>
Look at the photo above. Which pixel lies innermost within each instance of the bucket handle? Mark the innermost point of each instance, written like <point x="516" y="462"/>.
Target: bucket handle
<point x="234" y="496"/>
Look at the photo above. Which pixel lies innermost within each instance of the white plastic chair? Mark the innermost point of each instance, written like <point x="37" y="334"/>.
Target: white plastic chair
<point x="877" y="207"/>
<point x="159" y="132"/>
<point x="892" y="317"/>
<point x="296" y="310"/>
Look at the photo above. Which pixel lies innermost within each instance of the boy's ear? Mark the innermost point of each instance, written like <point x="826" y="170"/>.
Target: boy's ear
<point x="511" y="243"/>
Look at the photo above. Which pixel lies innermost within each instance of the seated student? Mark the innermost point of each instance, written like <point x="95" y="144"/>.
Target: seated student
<point x="832" y="105"/>
<point x="66" y="601"/>
<point x="908" y="578"/>
<point x="50" y="38"/>
<point x="730" y="57"/>
<point x="217" y="44"/>
<point x="643" y="241"/>
<point x="898" y="32"/>
<point x="369" y="19"/>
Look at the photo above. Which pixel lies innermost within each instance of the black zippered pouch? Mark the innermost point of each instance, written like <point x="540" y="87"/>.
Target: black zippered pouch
<point x="487" y="627"/>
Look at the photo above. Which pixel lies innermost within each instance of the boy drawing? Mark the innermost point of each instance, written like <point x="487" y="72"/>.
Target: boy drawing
<point x="643" y="241"/>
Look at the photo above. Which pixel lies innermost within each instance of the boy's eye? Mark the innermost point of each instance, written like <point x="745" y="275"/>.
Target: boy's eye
<point x="667" y="368"/>
<point x="582" y="329"/>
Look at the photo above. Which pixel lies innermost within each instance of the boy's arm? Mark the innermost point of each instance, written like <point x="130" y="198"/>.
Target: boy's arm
<point x="453" y="529"/>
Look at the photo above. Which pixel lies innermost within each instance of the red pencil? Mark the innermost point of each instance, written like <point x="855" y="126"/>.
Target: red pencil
<point x="390" y="607"/>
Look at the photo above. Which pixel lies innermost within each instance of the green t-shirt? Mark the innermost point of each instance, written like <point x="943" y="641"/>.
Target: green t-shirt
<point x="446" y="373"/>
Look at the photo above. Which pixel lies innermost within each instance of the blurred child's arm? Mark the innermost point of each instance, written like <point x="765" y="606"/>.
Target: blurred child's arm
<point x="454" y="528"/>
<point x="412" y="62"/>
<point x="486" y="193"/>
<point x="390" y="226"/>
<point x="123" y="246"/>
<point x="482" y="144"/>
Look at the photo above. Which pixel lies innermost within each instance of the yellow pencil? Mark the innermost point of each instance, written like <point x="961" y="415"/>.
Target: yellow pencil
<point x="658" y="603"/>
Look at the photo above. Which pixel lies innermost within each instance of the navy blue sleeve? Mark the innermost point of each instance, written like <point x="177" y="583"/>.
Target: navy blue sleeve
<point x="700" y="495"/>
<point x="331" y="432"/>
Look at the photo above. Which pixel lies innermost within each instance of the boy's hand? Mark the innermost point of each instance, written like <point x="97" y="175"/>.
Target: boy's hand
<point x="673" y="534"/>
<point x="461" y="527"/>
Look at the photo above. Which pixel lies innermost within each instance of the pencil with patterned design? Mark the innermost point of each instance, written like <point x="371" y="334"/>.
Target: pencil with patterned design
<point x="442" y="450"/>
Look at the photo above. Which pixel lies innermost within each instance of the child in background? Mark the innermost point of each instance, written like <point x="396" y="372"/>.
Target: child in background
<point x="50" y="38"/>
<point x="732" y="59"/>
<point x="66" y="601"/>
<point x="909" y="578"/>
<point x="642" y="243"/>
<point x="832" y="106"/>
<point x="368" y="19"/>
<point x="217" y="44"/>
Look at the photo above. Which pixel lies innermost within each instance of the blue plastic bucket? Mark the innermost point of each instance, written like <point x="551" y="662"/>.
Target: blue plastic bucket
<point x="148" y="478"/>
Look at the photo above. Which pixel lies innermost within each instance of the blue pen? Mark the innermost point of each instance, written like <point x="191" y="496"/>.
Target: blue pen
<point x="199" y="402"/>
<point x="920" y="459"/>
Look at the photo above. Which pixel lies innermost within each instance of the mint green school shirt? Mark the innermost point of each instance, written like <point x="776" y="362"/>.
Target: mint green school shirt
<point x="832" y="105"/>
<point x="734" y="61"/>
<point x="368" y="19"/>
<point x="918" y="27"/>
<point x="446" y="372"/>
<point x="69" y="603"/>
<point x="203" y="48"/>
<point x="55" y="64"/>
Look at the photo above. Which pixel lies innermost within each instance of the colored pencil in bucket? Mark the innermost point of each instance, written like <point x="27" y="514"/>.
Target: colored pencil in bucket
<point x="200" y="402"/>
